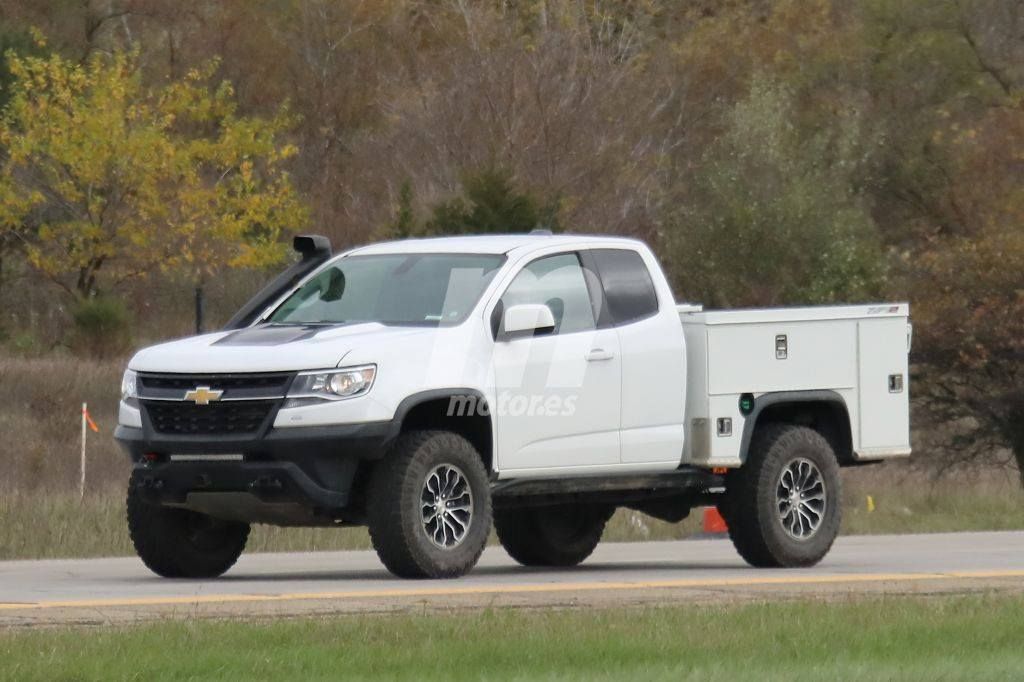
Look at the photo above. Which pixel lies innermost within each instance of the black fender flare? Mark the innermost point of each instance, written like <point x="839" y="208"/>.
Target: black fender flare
<point x="767" y="400"/>
<point x="415" y="399"/>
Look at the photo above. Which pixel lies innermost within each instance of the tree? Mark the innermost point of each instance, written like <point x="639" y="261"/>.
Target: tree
<point x="945" y="77"/>
<point x="404" y="224"/>
<point x="21" y="42"/>
<point x="773" y="215"/>
<point x="970" y="317"/>
<point x="491" y="205"/>
<point x="121" y="179"/>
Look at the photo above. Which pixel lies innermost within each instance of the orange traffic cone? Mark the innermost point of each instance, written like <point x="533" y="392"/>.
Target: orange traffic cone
<point x="714" y="524"/>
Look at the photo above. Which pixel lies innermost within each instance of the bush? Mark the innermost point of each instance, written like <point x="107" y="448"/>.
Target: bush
<point x="25" y="343"/>
<point x="101" y="327"/>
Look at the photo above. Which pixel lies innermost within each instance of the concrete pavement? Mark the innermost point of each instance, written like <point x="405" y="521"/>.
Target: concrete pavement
<point x="271" y="585"/>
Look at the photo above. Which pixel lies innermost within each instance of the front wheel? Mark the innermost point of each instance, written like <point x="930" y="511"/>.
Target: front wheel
<point x="429" y="508"/>
<point x="783" y="505"/>
<point x="178" y="543"/>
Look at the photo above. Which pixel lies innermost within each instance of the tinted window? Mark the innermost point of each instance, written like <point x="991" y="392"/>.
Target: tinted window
<point x="557" y="282"/>
<point x="628" y="289"/>
<point x="401" y="289"/>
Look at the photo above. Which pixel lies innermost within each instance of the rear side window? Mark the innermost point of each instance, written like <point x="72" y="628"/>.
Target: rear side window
<point x="628" y="288"/>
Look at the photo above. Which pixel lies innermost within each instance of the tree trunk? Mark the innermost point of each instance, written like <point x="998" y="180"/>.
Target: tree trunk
<point x="200" y="308"/>
<point x="1013" y="431"/>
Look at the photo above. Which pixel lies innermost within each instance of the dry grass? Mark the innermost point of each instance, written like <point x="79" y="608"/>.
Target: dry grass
<point x="52" y="525"/>
<point x="48" y="524"/>
<point x="40" y="422"/>
<point x="907" y="500"/>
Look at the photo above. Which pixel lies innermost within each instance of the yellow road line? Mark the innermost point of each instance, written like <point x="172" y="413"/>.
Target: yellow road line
<point x="516" y="589"/>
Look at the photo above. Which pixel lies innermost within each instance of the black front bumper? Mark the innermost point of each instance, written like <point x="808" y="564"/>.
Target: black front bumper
<point x="312" y="468"/>
<point x="367" y="440"/>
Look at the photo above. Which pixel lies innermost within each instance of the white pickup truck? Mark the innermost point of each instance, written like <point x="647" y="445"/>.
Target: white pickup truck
<point x="430" y="388"/>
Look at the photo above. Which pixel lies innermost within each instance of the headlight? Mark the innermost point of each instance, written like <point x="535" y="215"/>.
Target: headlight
<point x="129" y="385"/>
<point x="335" y="384"/>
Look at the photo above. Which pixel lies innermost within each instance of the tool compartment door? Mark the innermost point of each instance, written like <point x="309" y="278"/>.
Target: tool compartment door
<point x="884" y="388"/>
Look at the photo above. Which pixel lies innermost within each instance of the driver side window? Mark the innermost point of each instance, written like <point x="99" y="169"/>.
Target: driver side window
<point x="557" y="282"/>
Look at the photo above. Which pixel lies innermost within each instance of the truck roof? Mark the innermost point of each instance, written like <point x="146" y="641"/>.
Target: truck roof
<point x="496" y="244"/>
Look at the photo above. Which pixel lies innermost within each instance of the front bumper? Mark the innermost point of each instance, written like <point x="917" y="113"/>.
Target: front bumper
<point x="219" y="487"/>
<point x="297" y="476"/>
<point x="367" y="440"/>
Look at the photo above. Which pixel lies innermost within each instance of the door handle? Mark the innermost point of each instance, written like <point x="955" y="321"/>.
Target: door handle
<point x="599" y="355"/>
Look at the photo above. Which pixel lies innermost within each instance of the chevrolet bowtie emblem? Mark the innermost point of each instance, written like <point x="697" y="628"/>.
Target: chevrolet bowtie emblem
<point x="203" y="395"/>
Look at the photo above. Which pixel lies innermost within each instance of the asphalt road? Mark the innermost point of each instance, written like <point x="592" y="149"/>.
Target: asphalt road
<point x="272" y="585"/>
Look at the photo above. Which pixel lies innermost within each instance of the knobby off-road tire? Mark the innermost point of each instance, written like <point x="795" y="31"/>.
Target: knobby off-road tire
<point x="429" y="507"/>
<point x="178" y="543"/>
<point x="770" y="524"/>
<point x="557" y="536"/>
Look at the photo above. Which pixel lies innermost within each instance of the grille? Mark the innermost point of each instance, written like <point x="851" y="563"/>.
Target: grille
<point x="234" y="387"/>
<point x="225" y="382"/>
<point x="227" y="418"/>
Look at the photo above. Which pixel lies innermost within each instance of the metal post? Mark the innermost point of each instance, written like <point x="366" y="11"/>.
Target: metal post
<point x="199" y="310"/>
<point x="81" y="484"/>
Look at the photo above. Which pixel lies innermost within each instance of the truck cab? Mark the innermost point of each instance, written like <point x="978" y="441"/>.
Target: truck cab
<point x="428" y="388"/>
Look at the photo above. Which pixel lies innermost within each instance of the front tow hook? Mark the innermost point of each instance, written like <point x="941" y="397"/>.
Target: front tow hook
<point x="150" y="483"/>
<point x="266" y="483"/>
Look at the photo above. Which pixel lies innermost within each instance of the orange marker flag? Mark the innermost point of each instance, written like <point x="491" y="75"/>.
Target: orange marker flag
<point x="88" y="420"/>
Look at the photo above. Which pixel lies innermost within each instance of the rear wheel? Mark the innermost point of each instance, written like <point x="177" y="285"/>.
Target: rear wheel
<point x="429" y="508"/>
<point x="178" y="543"/>
<point x="561" y="535"/>
<point x="782" y="505"/>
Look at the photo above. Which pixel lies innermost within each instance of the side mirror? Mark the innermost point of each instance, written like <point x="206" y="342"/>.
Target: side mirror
<point x="528" y="319"/>
<point x="334" y="287"/>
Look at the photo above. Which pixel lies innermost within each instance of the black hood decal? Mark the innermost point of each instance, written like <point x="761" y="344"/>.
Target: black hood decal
<point x="272" y="335"/>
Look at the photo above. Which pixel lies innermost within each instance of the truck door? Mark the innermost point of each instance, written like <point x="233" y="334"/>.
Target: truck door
<point x="653" y="359"/>
<point x="558" y="394"/>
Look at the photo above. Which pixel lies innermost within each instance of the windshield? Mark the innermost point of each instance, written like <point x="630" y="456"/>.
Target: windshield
<point x="401" y="289"/>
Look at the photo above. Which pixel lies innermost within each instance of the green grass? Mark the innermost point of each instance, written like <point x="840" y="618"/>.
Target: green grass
<point x="950" y="638"/>
<point x="53" y="525"/>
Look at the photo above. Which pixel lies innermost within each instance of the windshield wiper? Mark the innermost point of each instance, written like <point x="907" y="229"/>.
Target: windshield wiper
<point x="317" y="323"/>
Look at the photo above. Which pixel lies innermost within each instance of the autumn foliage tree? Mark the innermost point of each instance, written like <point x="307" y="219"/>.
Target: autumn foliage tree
<point x="105" y="179"/>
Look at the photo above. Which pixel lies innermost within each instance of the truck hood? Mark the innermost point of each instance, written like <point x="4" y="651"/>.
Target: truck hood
<point x="266" y="348"/>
